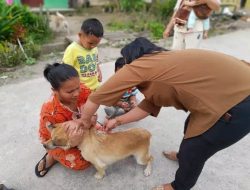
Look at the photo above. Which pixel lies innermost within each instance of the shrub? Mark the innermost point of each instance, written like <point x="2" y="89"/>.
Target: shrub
<point x="38" y="27"/>
<point x="10" y="55"/>
<point x="139" y="22"/>
<point x="9" y="17"/>
<point x="132" y="5"/>
<point x="154" y="20"/>
<point x="31" y="48"/>
<point x="156" y="28"/>
<point x="14" y="17"/>
<point x="114" y="25"/>
<point x="17" y="22"/>
<point x="163" y="9"/>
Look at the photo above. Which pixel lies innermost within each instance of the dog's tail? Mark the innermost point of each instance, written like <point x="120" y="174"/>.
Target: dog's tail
<point x="60" y="15"/>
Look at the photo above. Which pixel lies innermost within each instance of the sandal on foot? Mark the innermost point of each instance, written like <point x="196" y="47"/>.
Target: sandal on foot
<point x="44" y="170"/>
<point x="162" y="187"/>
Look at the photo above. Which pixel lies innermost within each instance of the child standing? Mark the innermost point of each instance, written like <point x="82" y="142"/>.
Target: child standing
<point x="83" y="55"/>
<point x="128" y="100"/>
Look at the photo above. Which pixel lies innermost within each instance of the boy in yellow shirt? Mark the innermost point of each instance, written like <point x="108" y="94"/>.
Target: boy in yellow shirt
<point x="83" y="54"/>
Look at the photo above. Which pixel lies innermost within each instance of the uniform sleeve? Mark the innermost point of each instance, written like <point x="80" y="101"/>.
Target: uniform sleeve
<point x="68" y="57"/>
<point x="149" y="107"/>
<point x="112" y="90"/>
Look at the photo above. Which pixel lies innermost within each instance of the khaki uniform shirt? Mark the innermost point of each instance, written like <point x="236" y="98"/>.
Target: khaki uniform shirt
<point x="206" y="83"/>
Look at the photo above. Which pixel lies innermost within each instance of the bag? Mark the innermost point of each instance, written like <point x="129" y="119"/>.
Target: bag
<point x="202" y="11"/>
<point x="182" y="15"/>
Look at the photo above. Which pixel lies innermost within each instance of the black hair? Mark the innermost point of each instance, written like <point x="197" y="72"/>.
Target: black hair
<point x="57" y="73"/>
<point x="92" y="26"/>
<point x="119" y="63"/>
<point x="139" y="47"/>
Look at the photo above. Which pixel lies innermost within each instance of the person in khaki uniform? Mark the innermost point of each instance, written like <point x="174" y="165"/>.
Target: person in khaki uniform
<point x="213" y="87"/>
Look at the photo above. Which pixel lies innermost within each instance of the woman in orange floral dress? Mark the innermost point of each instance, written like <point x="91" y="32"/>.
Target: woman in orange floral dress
<point x="65" y="104"/>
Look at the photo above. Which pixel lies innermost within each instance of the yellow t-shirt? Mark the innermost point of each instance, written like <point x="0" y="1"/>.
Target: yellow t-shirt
<point x="85" y="62"/>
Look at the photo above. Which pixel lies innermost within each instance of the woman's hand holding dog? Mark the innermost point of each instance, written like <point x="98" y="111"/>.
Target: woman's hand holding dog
<point x="70" y="126"/>
<point x="73" y="131"/>
<point x="77" y="124"/>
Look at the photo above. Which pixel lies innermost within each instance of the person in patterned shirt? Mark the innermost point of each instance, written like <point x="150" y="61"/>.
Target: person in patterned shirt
<point x="65" y="104"/>
<point x="128" y="100"/>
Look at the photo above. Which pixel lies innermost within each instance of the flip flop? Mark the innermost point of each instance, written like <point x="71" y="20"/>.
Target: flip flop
<point x="45" y="170"/>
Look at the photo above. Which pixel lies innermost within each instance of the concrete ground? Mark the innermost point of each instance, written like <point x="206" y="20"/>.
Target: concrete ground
<point x="21" y="150"/>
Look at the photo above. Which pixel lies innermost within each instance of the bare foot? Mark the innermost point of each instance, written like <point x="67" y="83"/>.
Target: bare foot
<point x="168" y="187"/>
<point x="164" y="187"/>
<point x="172" y="155"/>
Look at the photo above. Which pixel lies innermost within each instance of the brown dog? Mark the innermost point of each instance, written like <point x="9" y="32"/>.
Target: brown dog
<point x="103" y="149"/>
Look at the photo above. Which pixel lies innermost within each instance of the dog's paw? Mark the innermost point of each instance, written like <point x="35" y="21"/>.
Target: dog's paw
<point x="98" y="175"/>
<point x="147" y="171"/>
